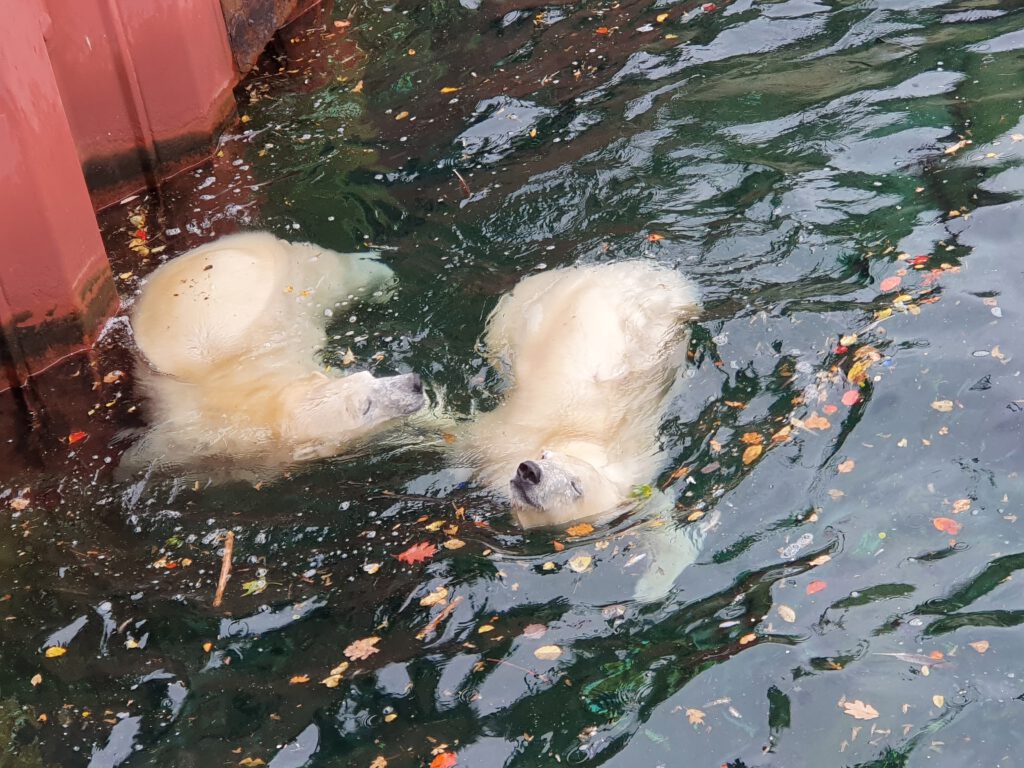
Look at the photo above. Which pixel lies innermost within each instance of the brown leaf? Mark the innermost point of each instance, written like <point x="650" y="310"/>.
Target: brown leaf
<point x="979" y="645"/>
<point x="752" y="438"/>
<point x="361" y="649"/>
<point x="582" y="529"/>
<point x="859" y="710"/>
<point x="695" y="716"/>
<point x="814" y="421"/>
<point x="847" y="466"/>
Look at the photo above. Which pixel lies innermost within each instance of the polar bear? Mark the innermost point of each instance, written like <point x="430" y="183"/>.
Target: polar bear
<point x="228" y="336"/>
<point x="592" y="355"/>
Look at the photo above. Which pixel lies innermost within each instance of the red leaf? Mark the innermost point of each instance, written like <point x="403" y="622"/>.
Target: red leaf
<point x="709" y="7"/>
<point x="444" y="760"/>
<point x="603" y="31"/>
<point x="830" y="408"/>
<point x="418" y="553"/>
<point x="841" y="350"/>
<point x="141" y="234"/>
<point x="891" y="283"/>
<point x="919" y="260"/>
<point x="76" y="437"/>
<point x="815" y="586"/>
<point x="947" y="525"/>
<point x="851" y="397"/>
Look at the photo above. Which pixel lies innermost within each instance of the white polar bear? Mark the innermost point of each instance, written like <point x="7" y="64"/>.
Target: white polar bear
<point x="593" y="354"/>
<point x="228" y="336"/>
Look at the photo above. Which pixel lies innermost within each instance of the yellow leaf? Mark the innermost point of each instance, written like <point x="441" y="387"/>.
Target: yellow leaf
<point x="859" y="710"/>
<point x="787" y="613"/>
<point x="580" y="563"/>
<point x="943" y="406"/>
<point x="435" y="597"/>
<point x="485" y="628"/>
<point x="581" y="529"/>
<point x="697" y="514"/>
<point x="298" y="679"/>
<point x="449" y="89"/>
<point x="358" y="87"/>
<point x="331" y="681"/>
<point x="389" y="717"/>
<point x="979" y="645"/>
<point x="748" y="638"/>
<point x="379" y="762"/>
<point x="751" y="453"/>
<point x="848" y="340"/>
<point x="821" y="560"/>
<point x="454" y="544"/>
<point x="533" y="133"/>
<point x="435" y="526"/>
<point x="401" y="115"/>
<point x="548" y="566"/>
<point x="548" y="652"/>
<point x="695" y="716"/>
<point x="939" y="700"/>
<point x="882" y="314"/>
<point x="340" y="669"/>
<point x="846" y="466"/>
<point x="661" y="17"/>
<point x="55" y="651"/>
<point x="671" y="37"/>
<point x="251" y="762"/>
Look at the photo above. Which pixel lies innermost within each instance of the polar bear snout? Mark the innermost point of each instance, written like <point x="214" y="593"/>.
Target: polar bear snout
<point x="529" y="472"/>
<point x="400" y="395"/>
<point x="416" y="384"/>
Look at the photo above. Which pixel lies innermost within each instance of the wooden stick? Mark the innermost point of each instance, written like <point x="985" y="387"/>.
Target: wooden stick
<point x="429" y="629"/>
<point x="225" y="568"/>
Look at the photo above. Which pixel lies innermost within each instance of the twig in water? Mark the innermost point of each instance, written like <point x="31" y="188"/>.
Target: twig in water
<point x="429" y="629"/>
<point x="225" y="568"/>
<point x="462" y="182"/>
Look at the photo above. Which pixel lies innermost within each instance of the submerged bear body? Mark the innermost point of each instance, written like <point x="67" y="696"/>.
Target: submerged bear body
<point x="592" y="355"/>
<point x="228" y="336"/>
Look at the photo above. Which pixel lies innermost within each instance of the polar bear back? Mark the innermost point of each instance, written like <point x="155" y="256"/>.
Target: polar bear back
<point x="242" y="295"/>
<point x="591" y="324"/>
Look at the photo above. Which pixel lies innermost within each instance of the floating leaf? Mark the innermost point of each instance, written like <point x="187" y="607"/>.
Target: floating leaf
<point x="748" y="638"/>
<point x="485" y="628"/>
<point x="752" y="438"/>
<point x="418" y="553"/>
<point x="254" y="587"/>
<point x="580" y="563"/>
<point x="298" y="679"/>
<point x="362" y="649"/>
<point x="548" y="652"/>
<point x="814" y="421"/>
<point x="890" y="283"/>
<point x="76" y="437"/>
<point x="444" y="760"/>
<point x="961" y="505"/>
<point x="979" y="645"/>
<point x="815" y="586"/>
<point x="859" y="710"/>
<point x="36" y="679"/>
<point x="695" y="716"/>
<point x="548" y="566"/>
<point x="371" y="568"/>
<point x="943" y="406"/>
<point x="401" y="115"/>
<point x="851" y="397"/>
<point x="947" y="525"/>
<point x="534" y="631"/>
<point x="603" y="31"/>
<point x="581" y="529"/>
<point x="449" y="89"/>
<point x="939" y="700"/>
<point x="379" y="762"/>
<point x="751" y="453"/>
<point x="454" y="544"/>
<point x="435" y="597"/>
<point x="661" y="17"/>
<point x="787" y="613"/>
<point x="55" y="652"/>
<point x="821" y="559"/>
<point x="846" y="466"/>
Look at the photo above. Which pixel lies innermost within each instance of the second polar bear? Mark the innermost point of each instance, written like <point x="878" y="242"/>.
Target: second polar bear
<point x="592" y="354"/>
<point x="229" y="335"/>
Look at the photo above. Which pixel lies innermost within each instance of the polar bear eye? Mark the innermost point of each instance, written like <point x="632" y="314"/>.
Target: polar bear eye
<point x="366" y="407"/>
<point x="576" y="487"/>
<point x="545" y="455"/>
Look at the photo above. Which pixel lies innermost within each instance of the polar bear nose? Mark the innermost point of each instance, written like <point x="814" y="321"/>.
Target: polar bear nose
<point x="529" y="472"/>
<point x="417" y="384"/>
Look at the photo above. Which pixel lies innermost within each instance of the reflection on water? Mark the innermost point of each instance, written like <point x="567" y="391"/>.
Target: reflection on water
<point x="844" y="181"/>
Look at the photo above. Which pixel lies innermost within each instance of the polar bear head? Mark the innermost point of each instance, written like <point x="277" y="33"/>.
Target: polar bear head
<point x="560" y="487"/>
<point x="324" y="412"/>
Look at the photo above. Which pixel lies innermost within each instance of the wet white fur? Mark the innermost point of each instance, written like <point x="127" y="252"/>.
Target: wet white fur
<point x="229" y="335"/>
<point x="592" y="354"/>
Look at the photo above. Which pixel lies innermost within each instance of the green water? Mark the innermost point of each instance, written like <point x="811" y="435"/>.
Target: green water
<point x="793" y="157"/>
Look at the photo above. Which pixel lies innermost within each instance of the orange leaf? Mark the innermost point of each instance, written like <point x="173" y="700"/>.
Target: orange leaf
<point x="830" y="409"/>
<point x="418" y="553"/>
<point x="559" y="546"/>
<point x="653" y="237"/>
<point x="847" y="466"/>
<point x="752" y="438"/>
<point x="815" y="586"/>
<point x="947" y="525"/>
<point x="580" y="530"/>
<point x="444" y="760"/>
<point x="814" y="421"/>
<point x="748" y="638"/>
<point x="603" y="31"/>
<point x="76" y="437"/>
<point x="298" y="679"/>
<point x="750" y="455"/>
